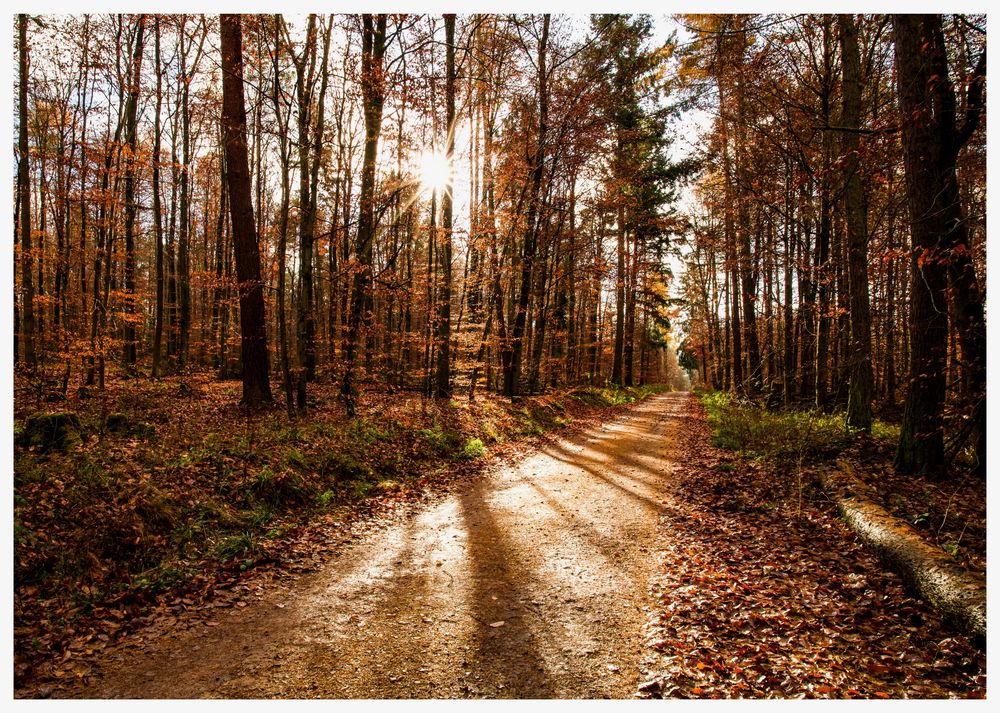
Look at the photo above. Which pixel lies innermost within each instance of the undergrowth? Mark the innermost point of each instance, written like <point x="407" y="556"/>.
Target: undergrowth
<point x="117" y="513"/>
<point x="781" y="436"/>
<point x="605" y="396"/>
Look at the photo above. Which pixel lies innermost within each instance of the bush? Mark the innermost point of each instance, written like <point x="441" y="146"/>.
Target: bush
<point x="473" y="449"/>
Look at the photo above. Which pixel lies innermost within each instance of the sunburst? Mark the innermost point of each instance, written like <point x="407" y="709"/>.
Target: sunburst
<point x="434" y="171"/>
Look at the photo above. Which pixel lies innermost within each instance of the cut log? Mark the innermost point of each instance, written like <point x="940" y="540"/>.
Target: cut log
<point x="927" y="570"/>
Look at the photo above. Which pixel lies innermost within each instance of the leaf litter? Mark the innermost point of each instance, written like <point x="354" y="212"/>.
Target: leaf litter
<point x="759" y="598"/>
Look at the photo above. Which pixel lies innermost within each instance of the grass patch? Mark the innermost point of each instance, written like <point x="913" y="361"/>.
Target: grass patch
<point x="242" y="545"/>
<point x="606" y="396"/>
<point x="778" y="435"/>
<point x="887" y="433"/>
<point x="443" y="441"/>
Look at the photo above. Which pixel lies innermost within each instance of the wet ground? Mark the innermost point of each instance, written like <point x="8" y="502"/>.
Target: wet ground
<point x="531" y="581"/>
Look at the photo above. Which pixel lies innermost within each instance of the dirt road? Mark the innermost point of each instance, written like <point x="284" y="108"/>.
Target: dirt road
<point x="530" y="581"/>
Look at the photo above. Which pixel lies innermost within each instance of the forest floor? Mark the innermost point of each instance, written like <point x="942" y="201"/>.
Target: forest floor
<point x="624" y="559"/>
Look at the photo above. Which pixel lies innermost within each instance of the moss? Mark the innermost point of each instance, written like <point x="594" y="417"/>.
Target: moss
<point x="144" y="430"/>
<point x="51" y="431"/>
<point x="116" y="423"/>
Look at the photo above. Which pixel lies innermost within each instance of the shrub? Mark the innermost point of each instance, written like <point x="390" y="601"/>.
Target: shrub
<point x="473" y="449"/>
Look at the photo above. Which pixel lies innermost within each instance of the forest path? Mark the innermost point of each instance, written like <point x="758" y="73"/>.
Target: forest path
<point x="530" y="581"/>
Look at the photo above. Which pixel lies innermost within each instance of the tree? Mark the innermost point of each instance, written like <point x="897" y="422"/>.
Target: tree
<point x="27" y="312"/>
<point x="131" y="141"/>
<point x="443" y="386"/>
<point x="157" y="207"/>
<point x="859" y="400"/>
<point x="256" y="386"/>
<point x="373" y="95"/>
<point x="940" y="255"/>
<point x="536" y="166"/>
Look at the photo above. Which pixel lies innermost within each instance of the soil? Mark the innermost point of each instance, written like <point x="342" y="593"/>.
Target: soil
<point x="529" y="581"/>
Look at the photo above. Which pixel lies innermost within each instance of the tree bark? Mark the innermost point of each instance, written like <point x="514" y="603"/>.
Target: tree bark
<point x="537" y="164"/>
<point x="256" y="387"/>
<point x="939" y="240"/>
<point x="373" y="94"/>
<point x="27" y="312"/>
<point x="859" y="398"/>
<point x="131" y="141"/>
<point x="443" y="386"/>
<point x="157" y="208"/>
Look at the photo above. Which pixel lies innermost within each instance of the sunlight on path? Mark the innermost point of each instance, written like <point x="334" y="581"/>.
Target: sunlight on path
<point x="530" y="581"/>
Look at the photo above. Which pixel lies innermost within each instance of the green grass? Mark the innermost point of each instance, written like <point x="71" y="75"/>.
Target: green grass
<point x="759" y="433"/>
<point x="443" y="441"/>
<point x="885" y="432"/>
<point x="241" y="545"/>
<point x="605" y="396"/>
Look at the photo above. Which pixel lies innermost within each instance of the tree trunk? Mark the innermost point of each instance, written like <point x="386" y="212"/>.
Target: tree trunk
<point x="373" y="92"/>
<point x="859" y="399"/>
<point x="256" y="387"/>
<point x="931" y="144"/>
<point x="131" y="140"/>
<point x="27" y="313"/>
<point x="443" y="387"/>
<point x="537" y="164"/>
<point x="157" y="208"/>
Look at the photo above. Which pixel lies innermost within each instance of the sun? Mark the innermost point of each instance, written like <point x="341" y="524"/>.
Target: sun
<point x="435" y="171"/>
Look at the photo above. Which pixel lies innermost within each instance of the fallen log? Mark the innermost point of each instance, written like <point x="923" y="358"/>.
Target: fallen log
<point x="927" y="570"/>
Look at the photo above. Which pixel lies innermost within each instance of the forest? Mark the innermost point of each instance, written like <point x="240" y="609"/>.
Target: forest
<point x="429" y="295"/>
<point x="365" y="271"/>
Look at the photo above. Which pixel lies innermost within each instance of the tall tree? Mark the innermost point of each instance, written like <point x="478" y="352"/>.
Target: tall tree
<point x="305" y="84"/>
<point x="536" y="166"/>
<point x="373" y="96"/>
<point x="27" y="312"/>
<point x="859" y="400"/>
<point x="443" y="385"/>
<point x="940" y="251"/>
<point x="157" y="207"/>
<point x="256" y="386"/>
<point x="131" y="141"/>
